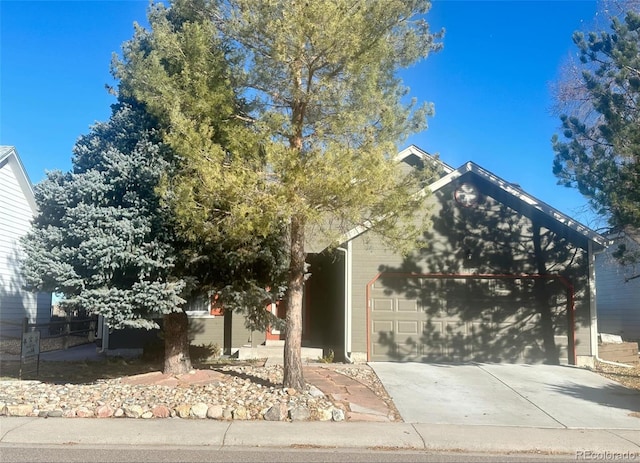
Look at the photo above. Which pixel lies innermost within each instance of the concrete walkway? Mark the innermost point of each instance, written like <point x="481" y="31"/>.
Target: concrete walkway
<point x="175" y="432"/>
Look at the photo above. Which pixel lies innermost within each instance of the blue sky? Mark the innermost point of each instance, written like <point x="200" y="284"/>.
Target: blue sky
<point x="490" y="84"/>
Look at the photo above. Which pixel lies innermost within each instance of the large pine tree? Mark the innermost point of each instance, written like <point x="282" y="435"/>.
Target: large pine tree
<point x="288" y="113"/>
<point x="102" y="237"/>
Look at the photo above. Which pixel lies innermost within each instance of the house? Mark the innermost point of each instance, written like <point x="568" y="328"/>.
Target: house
<point x="500" y="277"/>
<point x="618" y="290"/>
<point x="18" y="208"/>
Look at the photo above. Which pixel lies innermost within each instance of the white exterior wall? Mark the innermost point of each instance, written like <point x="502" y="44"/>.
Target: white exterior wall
<point x="17" y="208"/>
<point x="618" y="302"/>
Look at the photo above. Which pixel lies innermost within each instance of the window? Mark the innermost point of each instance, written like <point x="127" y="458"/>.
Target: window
<point x="198" y="306"/>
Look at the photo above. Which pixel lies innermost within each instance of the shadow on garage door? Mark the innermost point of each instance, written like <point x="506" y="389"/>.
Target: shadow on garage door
<point x="484" y="318"/>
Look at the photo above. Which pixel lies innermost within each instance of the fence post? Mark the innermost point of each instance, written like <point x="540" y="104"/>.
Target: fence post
<point x="66" y="334"/>
<point x="92" y="330"/>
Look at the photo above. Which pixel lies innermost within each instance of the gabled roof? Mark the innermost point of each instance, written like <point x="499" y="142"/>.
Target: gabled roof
<point x="9" y="156"/>
<point x="505" y="192"/>
<point x="413" y="155"/>
<point x="516" y="198"/>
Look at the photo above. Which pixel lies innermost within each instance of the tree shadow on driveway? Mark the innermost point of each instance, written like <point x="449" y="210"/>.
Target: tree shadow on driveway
<point x="610" y="395"/>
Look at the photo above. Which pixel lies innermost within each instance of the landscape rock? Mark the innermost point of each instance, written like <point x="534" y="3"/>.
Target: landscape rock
<point x="234" y="392"/>
<point x="84" y="412"/>
<point x="299" y="414"/>
<point x="183" y="411"/>
<point x="104" y="411"/>
<point x="278" y="412"/>
<point x="337" y="414"/>
<point x="214" y="412"/>
<point x="315" y="392"/>
<point x="19" y="410"/>
<point x="199" y="410"/>
<point x="325" y="414"/>
<point x="133" y="411"/>
<point x="240" y="413"/>
<point x="161" y="411"/>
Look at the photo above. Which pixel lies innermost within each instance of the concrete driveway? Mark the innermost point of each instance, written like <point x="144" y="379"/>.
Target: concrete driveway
<point x="508" y="395"/>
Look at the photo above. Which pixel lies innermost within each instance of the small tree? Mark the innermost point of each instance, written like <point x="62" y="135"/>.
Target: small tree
<point x="288" y="113"/>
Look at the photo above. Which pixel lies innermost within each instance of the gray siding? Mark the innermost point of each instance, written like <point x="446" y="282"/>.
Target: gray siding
<point x="490" y="239"/>
<point x="618" y="301"/>
<point x="15" y="221"/>
<point x="210" y="330"/>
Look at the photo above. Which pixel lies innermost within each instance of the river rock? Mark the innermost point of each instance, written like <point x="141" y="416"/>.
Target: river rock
<point x="161" y="411"/>
<point x="104" y="411"/>
<point x="183" y="411"/>
<point x="19" y="410"/>
<point x="240" y="413"/>
<point x="199" y="410"/>
<point x="214" y="412"/>
<point x="133" y="411"/>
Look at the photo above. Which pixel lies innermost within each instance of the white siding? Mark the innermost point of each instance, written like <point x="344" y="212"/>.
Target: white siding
<point x="16" y="213"/>
<point x="618" y="302"/>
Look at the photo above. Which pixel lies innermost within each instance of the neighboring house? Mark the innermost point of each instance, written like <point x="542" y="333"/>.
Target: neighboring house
<point x="499" y="277"/>
<point x="18" y="208"/>
<point x="618" y="292"/>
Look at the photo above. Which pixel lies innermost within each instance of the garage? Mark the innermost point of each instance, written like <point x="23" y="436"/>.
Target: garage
<point x="462" y="318"/>
<point x="496" y="275"/>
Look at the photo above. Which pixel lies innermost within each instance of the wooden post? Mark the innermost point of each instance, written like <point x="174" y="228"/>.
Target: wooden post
<point x="66" y="333"/>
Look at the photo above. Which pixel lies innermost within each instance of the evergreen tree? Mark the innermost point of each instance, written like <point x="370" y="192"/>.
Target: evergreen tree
<point x="286" y="115"/>
<point x="102" y="236"/>
<point x="600" y="151"/>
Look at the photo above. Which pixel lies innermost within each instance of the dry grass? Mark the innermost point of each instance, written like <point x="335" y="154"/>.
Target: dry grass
<point x="80" y="372"/>
<point x="84" y="372"/>
<point x="12" y="345"/>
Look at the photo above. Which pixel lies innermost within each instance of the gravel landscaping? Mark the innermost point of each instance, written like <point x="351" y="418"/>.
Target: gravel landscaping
<point x="239" y="393"/>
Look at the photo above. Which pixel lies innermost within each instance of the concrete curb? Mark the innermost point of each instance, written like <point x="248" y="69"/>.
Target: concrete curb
<point x="219" y="434"/>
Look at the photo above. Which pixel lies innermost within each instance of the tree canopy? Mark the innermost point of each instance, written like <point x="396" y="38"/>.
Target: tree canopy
<point x="286" y="116"/>
<point x="599" y="151"/>
<point x="100" y="237"/>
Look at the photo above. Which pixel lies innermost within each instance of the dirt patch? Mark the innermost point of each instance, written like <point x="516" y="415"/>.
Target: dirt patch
<point x="79" y="372"/>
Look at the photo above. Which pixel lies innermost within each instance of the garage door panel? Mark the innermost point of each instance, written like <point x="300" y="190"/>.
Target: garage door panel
<point x="407" y="327"/>
<point x="382" y="305"/>
<point x="383" y="326"/>
<point x="408" y="305"/>
<point x="458" y="320"/>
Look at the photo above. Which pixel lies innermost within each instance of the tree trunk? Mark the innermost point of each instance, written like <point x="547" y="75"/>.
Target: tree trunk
<point x="541" y="294"/>
<point x="177" y="360"/>
<point x="293" y="376"/>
